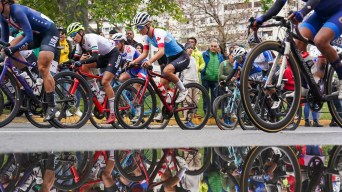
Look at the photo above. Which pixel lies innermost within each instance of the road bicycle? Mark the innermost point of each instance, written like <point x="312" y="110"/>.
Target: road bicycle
<point x="145" y="99"/>
<point x="198" y="160"/>
<point x="286" y="52"/>
<point x="11" y="98"/>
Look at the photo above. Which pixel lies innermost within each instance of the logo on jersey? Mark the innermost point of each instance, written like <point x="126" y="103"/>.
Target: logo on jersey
<point x="128" y="49"/>
<point x="158" y="38"/>
<point x="53" y="41"/>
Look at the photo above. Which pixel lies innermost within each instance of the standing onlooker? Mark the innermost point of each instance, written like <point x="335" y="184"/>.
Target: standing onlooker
<point x="66" y="46"/>
<point x="111" y="33"/>
<point x="189" y="75"/>
<point x="197" y="54"/>
<point x="209" y="74"/>
<point x="130" y="37"/>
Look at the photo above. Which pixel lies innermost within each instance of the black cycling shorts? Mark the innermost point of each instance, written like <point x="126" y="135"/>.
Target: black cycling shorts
<point x="47" y="41"/>
<point x="180" y="61"/>
<point x="112" y="188"/>
<point x="111" y="61"/>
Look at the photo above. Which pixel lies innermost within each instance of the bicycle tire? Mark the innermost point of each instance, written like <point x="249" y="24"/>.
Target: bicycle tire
<point x="126" y="171"/>
<point x="84" y="89"/>
<point x="215" y="101"/>
<point x="84" y="169"/>
<point x="155" y="125"/>
<point x="255" y="154"/>
<point x="243" y="119"/>
<point x="245" y="98"/>
<point x="118" y="112"/>
<point x="329" y="90"/>
<point x="207" y="153"/>
<point x="205" y="96"/>
<point x="17" y="100"/>
<point x="221" y="101"/>
<point x="296" y="121"/>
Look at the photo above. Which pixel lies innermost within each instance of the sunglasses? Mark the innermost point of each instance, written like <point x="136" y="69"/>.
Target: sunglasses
<point x="116" y="42"/>
<point x="140" y="27"/>
<point x="237" y="57"/>
<point x="73" y="34"/>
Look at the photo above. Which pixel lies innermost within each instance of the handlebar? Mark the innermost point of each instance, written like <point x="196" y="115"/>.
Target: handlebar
<point x="4" y="44"/>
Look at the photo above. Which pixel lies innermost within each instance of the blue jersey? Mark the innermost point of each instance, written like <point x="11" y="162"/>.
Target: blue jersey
<point x="164" y="39"/>
<point x="326" y="8"/>
<point x="129" y="54"/>
<point x="255" y="69"/>
<point x="263" y="60"/>
<point x="25" y="19"/>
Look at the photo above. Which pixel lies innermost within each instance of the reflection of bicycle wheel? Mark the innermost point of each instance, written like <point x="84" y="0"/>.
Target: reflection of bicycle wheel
<point x="127" y="163"/>
<point x="265" y="166"/>
<point x="72" y="169"/>
<point x="333" y="180"/>
<point x="226" y="111"/>
<point x="9" y="171"/>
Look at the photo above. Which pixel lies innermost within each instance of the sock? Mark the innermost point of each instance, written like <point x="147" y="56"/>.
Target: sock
<point x="337" y="65"/>
<point x="94" y="84"/>
<point x="111" y="105"/>
<point x="180" y="85"/>
<point x="181" y="173"/>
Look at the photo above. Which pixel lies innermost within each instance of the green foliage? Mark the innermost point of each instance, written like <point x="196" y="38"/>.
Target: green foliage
<point x="266" y="4"/>
<point x="114" y="11"/>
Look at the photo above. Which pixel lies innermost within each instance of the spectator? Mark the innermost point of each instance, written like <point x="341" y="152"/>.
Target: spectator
<point x="226" y="67"/>
<point x="130" y="37"/>
<point x="189" y="75"/>
<point x="101" y="33"/>
<point x="66" y="46"/>
<point x="226" y="54"/>
<point x="209" y="74"/>
<point x="220" y="50"/>
<point x="197" y="54"/>
<point x="111" y="33"/>
<point x="139" y="47"/>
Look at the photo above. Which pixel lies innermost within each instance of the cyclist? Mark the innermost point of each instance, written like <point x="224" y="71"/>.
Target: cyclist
<point x="178" y="59"/>
<point x="323" y="26"/>
<point x="104" y="55"/>
<point x="128" y="53"/>
<point x="39" y="31"/>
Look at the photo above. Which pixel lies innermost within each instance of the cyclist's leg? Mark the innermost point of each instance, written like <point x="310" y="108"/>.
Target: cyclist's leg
<point x="309" y="29"/>
<point x="124" y="76"/>
<point x="17" y="54"/>
<point x="107" y="174"/>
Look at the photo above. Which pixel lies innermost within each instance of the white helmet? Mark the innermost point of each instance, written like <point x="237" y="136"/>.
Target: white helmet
<point x="141" y="18"/>
<point x="239" y="51"/>
<point x="119" y="37"/>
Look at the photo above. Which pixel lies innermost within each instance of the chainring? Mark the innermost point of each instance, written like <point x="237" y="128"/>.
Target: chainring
<point x="166" y="114"/>
<point x="315" y="166"/>
<point x="314" y="104"/>
<point x="97" y="114"/>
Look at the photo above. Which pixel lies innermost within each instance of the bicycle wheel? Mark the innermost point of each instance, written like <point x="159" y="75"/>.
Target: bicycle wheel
<point x="99" y="119"/>
<point x="333" y="181"/>
<point x="35" y="114"/>
<point x="68" y="104"/>
<point x="193" y="104"/>
<point x="72" y="169"/>
<point x="127" y="161"/>
<point x="226" y="111"/>
<point x="276" y="114"/>
<point x="271" y="164"/>
<point x="243" y="119"/>
<point x="198" y="159"/>
<point x="335" y="106"/>
<point x="215" y="101"/>
<point x="10" y="99"/>
<point x="9" y="170"/>
<point x="128" y="111"/>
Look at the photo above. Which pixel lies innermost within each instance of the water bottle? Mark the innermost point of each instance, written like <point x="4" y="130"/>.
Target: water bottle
<point x="101" y="96"/>
<point x="38" y="87"/>
<point x="10" y="86"/>
<point x="308" y="60"/>
<point x="27" y="78"/>
<point x="162" y="89"/>
<point x="170" y="94"/>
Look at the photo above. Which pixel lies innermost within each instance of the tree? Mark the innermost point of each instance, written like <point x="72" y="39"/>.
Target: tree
<point x="115" y="12"/>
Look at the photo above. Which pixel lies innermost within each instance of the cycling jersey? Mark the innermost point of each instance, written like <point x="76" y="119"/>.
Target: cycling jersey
<point x="95" y="43"/>
<point x="30" y="22"/>
<point x="164" y="39"/>
<point x="255" y="69"/>
<point x="263" y="60"/>
<point x="129" y="54"/>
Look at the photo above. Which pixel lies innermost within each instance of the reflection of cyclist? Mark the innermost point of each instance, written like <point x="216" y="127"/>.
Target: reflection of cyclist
<point x="323" y="26"/>
<point x="170" y="183"/>
<point x="178" y="60"/>
<point x="39" y="31"/>
<point x="104" y="55"/>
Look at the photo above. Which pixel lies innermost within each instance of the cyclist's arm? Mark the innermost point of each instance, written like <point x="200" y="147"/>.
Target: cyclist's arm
<point x="4" y="30"/>
<point x="144" y="54"/>
<point x="233" y="73"/>
<point x="310" y="5"/>
<point x="274" y="10"/>
<point x="160" y="38"/>
<point x="158" y="55"/>
<point x="268" y="57"/>
<point x="94" y="52"/>
<point x="26" y="27"/>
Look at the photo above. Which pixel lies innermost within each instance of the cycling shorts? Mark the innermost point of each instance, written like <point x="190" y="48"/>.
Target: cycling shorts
<point x="314" y="23"/>
<point x="180" y="61"/>
<point x="111" y="61"/>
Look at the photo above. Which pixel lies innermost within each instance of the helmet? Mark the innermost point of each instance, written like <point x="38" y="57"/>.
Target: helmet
<point x="74" y="27"/>
<point x="141" y="18"/>
<point x="253" y="40"/>
<point x="119" y="37"/>
<point x="239" y="51"/>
